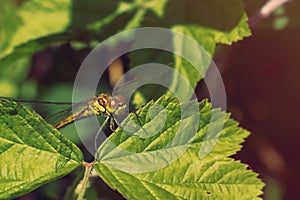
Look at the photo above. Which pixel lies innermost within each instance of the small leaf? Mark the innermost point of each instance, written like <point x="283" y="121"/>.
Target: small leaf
<point x="207" y="38"/>
<point x="32" y="152"/>
<point x="240" y="31"/>
<point x="161" y="167"/>
<point x="157" y="6"/>
<point x="280" y="23"/>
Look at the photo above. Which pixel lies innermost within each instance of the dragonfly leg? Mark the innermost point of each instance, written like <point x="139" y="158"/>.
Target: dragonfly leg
<point x="112" y="124"/>
<point x="139" y="121"/>
<point x="97" y="135"/>
<point x="138" y="118"/>
<point x="135" y="127"/>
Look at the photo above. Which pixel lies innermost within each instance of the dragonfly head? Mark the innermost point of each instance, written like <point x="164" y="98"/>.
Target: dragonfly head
<point x="109" y="104"/>
<point x="118" y="104"/>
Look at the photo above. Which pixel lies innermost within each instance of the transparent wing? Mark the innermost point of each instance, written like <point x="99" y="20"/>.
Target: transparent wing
<point x="133" y="81"/>
<point x="52" y="112"/>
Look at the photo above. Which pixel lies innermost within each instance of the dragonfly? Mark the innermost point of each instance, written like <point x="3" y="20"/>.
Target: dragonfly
<point x="99" y="105"/>
<point x="102" y="104"/>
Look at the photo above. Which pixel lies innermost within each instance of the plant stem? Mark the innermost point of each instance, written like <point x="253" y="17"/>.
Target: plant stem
<point x="265" y="11"/>
<point x="83" y="184"/>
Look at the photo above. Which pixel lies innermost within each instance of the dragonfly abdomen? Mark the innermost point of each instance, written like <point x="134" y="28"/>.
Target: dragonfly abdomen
<point x="87" y="111"/>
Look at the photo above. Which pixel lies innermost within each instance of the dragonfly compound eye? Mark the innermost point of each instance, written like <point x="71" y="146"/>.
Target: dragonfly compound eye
<point x="114" y="103"/>
<point x="121" y="100"/>
<point x="118" y="104"/>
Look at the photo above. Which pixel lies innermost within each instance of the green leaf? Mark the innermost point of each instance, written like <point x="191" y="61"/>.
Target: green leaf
<point x="221" y="15"/>
<point x="169" y="164"/>
<point x="25" y="50"/>
<point x="136" y="8"/>
<point x="236" y="34"/>
<point x="32" y="152"/>
<point x="101" y="21"/>
<point x="12" y="76"/>
<point x="207" y="39"/>
<point x="208" y="23"/>
<point x="14" y="72"/>
<point x="220" y="179"/>
<point x="8" y="22"/>
<point x="201" y="55"/>
<point x="140" y="8"/>
<point x="157" y="6"/>
<point x="53" y="22"/>
<point x="39" y="19"/>
<point x="281" y="22"/>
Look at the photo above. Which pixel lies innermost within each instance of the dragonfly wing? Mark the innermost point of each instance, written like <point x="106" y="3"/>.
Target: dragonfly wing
<point x="52" y="112"/>
<point x="62" y="114"/>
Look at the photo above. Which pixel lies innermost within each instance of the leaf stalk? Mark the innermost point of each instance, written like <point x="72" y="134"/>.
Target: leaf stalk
<point x="81" y="188"/>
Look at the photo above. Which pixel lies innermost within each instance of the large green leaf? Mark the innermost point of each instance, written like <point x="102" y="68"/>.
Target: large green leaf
<point x="219" y="179"/>
<point x="161" y="167"/>
<point x="54" y="22"/>
<point x="32" y="152"/>
<point x="15" y="72"/>
<point x="39" y="19"/>
<point x="41" y="24"/>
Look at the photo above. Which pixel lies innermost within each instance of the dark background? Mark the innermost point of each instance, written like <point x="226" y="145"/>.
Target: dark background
<point x="261" y="76"/>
